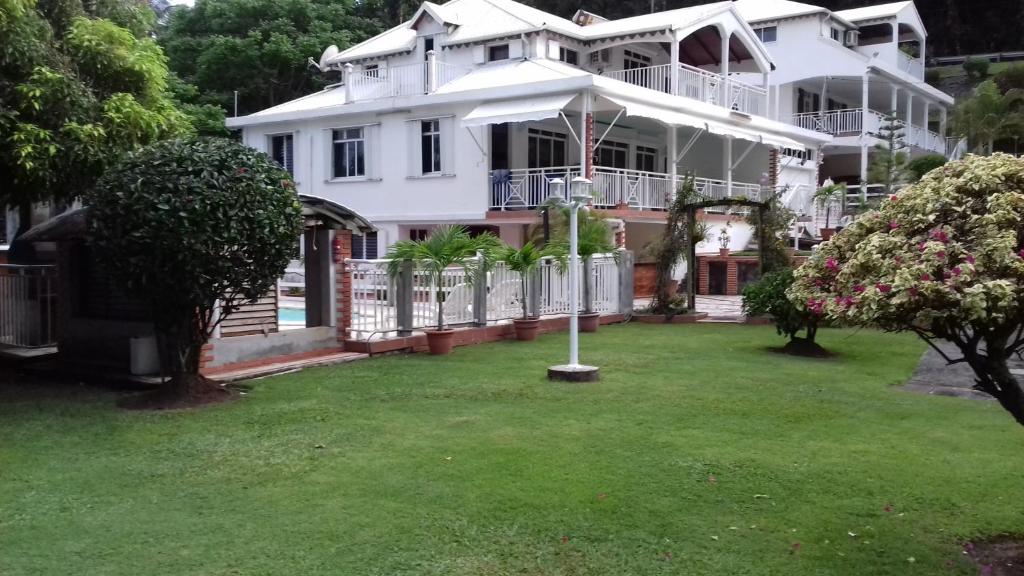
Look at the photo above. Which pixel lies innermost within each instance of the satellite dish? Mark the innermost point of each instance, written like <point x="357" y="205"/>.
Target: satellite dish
<point x="329" y="53"/>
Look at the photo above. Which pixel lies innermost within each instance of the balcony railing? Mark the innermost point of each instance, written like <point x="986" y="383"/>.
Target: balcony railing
<point x="613" y="188"/>
<point x="404" y="80"/>
<point x="911" y="65"/>
<point x="850" y="122"/>
<point x="28" y="306"/>
<point x="698" y="84"/>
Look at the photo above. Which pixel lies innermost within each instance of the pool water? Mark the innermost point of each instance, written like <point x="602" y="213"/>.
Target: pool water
<point x="291" y="315"/>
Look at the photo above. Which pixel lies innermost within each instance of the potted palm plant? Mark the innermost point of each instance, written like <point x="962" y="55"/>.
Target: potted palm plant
<point x="446" y="246"/>
<point x="594" y="236"/>
<point x="825" y="197"/>
<point x="724" y="239"/>
<point x="525" y="261"/>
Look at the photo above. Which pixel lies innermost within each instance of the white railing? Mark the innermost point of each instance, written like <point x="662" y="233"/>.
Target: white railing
<point x="374" y="305"/>
<point x="605" y="283"/>
<point x="956" y="148"/>
<point x="633" y="188"/>
<point x="527" y="187"/>
<point x="28" y="306"/>
<point x="403" y="80"/>
<point x="835" y="122"/>
<point x="911" y="65"/>
<point x="698" y="84"/>
<point x="375" y="295"/>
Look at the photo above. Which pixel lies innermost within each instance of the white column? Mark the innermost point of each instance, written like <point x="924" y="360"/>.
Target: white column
<point x="943" y="112"/>
<point x="432" y="69"/>
<point x="910" y="114"/>
<point x="894" y="101"/>
<point x="864" y="104"/>
<point x="673" y="167"/>
<point x="863" y="171"/>
<point x="927" y="114"/>
<point x="674" y="70"/>
<point x="727" y="161"/>
<point x="724" y="68"/>
<point x="349" y="89"/>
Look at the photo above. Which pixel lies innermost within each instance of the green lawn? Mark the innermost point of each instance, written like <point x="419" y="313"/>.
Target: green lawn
<point x="699" y="453"/>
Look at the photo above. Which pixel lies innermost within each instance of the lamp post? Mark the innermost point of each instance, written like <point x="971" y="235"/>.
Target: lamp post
<point x="556" y="191"/>
<point x="574" y="371"/>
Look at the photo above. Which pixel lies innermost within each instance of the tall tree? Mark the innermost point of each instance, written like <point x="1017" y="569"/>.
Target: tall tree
<point x="989" y="116"/>
<point x="889" y="160"/>
<point x="76" y="92"/>
<point x="258" y="47"/>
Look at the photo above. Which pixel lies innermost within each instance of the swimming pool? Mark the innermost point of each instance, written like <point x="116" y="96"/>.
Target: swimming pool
<point x="291" y="315"/>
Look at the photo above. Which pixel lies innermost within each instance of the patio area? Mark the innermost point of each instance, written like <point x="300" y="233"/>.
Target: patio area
<point x="699" y="452"/>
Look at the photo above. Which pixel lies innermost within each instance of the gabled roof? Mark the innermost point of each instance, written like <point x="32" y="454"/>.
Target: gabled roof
<point x="763" y="10"/>
<point x="477" y="20"/>
<point x="873" y="12"/>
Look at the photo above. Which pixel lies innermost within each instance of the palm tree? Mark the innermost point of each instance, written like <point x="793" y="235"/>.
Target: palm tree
<point x="593" y="236"/>
<point x="525" y="261"/>
<point x="990" y="115"/>
<point x="448" y="245"/>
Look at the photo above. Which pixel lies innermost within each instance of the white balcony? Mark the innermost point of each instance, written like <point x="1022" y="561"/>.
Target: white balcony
<point x="698" y="84"/>
<point x="613" y="188"/>
<point x="850" y="122"/>
<point x="405" y="80"/>
<point x="911" y="65"/>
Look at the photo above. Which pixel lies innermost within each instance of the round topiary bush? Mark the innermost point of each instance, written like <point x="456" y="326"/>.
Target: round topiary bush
<point x="193" y="225"/>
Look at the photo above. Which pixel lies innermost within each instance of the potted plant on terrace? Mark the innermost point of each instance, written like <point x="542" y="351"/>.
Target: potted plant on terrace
<point x="525" y="261"/>
<point x="826" y="196"/>
<point x="445" y="246"/>
<point x="724" y="239"/>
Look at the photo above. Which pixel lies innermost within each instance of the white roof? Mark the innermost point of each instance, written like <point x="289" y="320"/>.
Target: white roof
<point x="873" y="12"/>
<point x="762" y="10"/>
<point x="512" y="73"/>
<point x="475" y="20"/>
<point x="331" y="96"/>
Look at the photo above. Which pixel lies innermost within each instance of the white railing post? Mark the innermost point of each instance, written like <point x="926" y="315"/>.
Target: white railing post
<point x="480" y="291"/>
<point x="349" y="83"/>
<point x="432" y="72"/>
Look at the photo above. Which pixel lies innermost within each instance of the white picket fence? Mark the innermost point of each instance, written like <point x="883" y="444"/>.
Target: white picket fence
<point x="375" y="295"/>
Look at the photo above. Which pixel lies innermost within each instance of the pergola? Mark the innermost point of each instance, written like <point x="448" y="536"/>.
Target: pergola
<point x="762" y="206"/>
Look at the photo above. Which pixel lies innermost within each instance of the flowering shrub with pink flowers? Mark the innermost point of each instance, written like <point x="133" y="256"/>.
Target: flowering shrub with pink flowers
<point x="944" y="258"/>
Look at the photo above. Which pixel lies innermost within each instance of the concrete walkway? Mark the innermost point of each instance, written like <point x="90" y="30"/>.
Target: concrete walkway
<point x="936" y="376"/>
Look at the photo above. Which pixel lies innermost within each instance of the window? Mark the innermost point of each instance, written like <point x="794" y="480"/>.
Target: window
<point x="612" y="155"/>
<point x="802" y="155"/>
<point x="499" y="52"/>
<point x="364" y="247"/>
<point x="767" y="34"/>
<point x="632" y="60"/>
<point x="545" y="149"/>
<point x="569" y="56"/>
<point x="646" y="158"/>
<point x="428" y="45"/>
<point x="499" y="147"/>
<point x="418" y="234"/>
<point x="371" y="70"/>
<point x="349" y="153"/>
<point x="281" y="150"/>
<point x="837" y="34"/>
<point x="430" y="147"/>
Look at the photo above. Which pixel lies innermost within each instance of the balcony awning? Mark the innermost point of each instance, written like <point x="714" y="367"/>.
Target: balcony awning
<point x="674" y="118"/>
<point x="519" y="110"/>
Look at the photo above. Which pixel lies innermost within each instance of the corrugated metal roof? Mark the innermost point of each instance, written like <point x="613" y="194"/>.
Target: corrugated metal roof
<point x="872" y="12"/>
<point x="760" y="10"/>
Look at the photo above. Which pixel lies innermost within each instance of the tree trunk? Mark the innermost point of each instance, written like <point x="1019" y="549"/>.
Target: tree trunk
<point x="182" y="351"/>
<point x="525" y="296"/>
<point x="993" y="377"/>
<point x="440" y="308"/>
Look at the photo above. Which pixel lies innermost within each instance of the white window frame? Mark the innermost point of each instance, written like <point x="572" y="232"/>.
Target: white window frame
<point x="433" y="134"/>
<point x="563" y="53"/>
<point x="362" y="140"/>
<point x="760" y="33"/>
<point x="446" y="142"/>
<point x="270" y="150"/>
<point x="645" y="150"/>
<point x="508" y="52"/>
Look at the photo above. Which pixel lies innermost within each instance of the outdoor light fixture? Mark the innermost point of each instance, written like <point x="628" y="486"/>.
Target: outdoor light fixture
<point x="574" y="371"/>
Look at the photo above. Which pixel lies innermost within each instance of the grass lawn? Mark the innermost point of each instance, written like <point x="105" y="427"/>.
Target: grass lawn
<point x="698" y="453"/>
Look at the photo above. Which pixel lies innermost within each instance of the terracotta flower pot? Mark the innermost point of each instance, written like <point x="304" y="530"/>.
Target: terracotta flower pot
<point x="826" y="233"/>
<point x="723" y="252"/>
<point x="440" y="342"/>
<point x="526" y="328"/>
<point x="589" y="322"/>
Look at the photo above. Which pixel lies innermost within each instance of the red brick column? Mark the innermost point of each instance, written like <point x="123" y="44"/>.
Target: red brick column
<point x="205" y="356"/>
<point x="773" y="168"/>
<point x="342" y="249"/>
<point x="703" y="278"/>
<point x="589" y="139"/>
<point x="731" y="278"/>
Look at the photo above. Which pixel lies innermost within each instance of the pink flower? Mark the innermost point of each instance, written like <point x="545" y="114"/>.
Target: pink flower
<point x="893" y="225"/>
<point x="941" y="255"/>
<point x="970" y="258"/>
<point x="893" y="197"/>
<point x="957" y="271"/>
<point x="947" y="275"/>
<point x="940" y="236"/>
<point x="1021" y="253"/>
<point x="831" y="264"/>
<point x="922" y="246"/>
<point x="913" y="292"/>
<point x="884" y="288"/>
<point x="859" y="289"/>
<point x="926" y="277"/>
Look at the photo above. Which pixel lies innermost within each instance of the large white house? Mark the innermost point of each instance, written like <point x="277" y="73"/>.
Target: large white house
<point x="468" y="111"/>
<point x="841" y="73"/>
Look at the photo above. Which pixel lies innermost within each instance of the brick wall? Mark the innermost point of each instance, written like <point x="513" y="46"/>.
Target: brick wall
<point x="343" y="281"/>
<point x="589" y="139"/>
